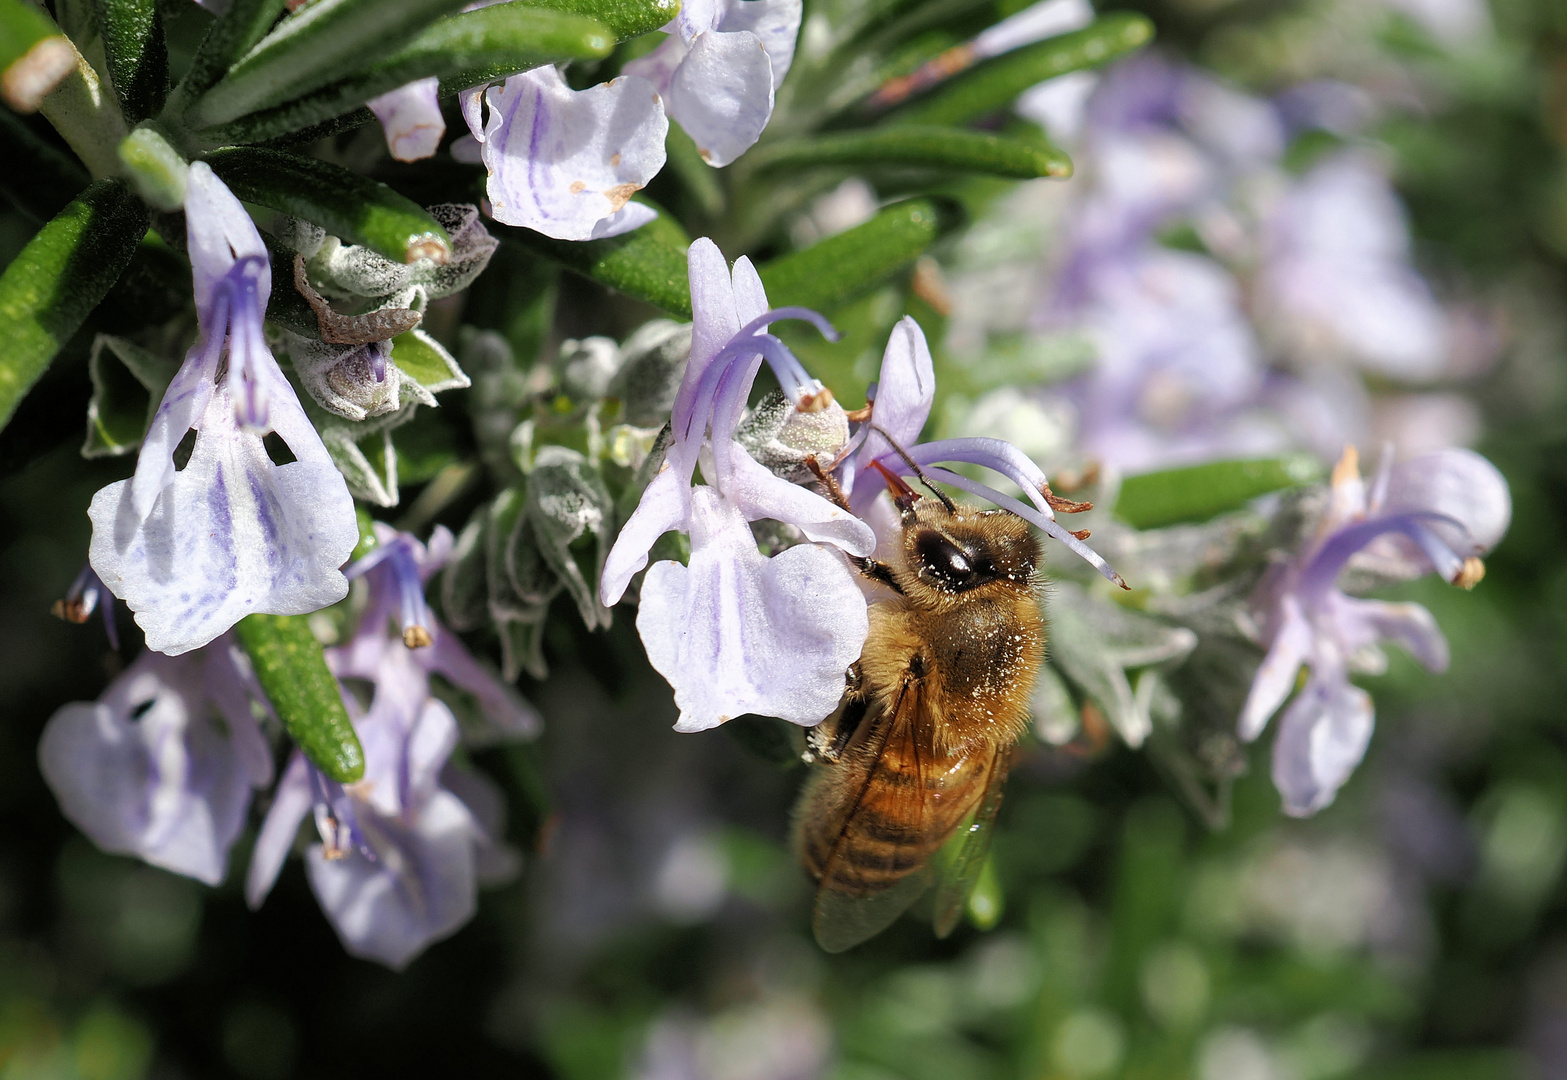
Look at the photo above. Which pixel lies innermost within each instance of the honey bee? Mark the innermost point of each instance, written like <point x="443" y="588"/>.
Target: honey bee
<point x="919" y="745"/>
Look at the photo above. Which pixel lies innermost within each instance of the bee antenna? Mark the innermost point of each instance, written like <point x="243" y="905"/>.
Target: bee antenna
<point x="914" y="465"/>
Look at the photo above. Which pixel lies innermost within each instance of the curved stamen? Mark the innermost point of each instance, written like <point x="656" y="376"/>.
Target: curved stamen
<point x="1049" y="526"/>
<point x="397" y="558"/>
<point x="336" y="822"/>
<point x="1330" y="559"/>
<point x="790" y="372"/>
<point x="994" y="454"/>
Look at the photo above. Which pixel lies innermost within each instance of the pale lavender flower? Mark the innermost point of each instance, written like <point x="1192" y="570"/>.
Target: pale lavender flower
<point x="162" y="766"/>
<point x="404" y="849"/>
<point x="1439" y="512"/>
<point x="192" y="551"/>
<point x="900" y="404"/>
<point x="411" y="118"/>
<point x="719" y="69"/>
<point x="1336" y="277"/>
<point x="1179" y="372"/>
<point x="735" y="632"/>
<point x="566" y="162"/>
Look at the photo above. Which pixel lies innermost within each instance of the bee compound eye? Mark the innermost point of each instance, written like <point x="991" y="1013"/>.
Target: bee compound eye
<point x="941" y="559"/>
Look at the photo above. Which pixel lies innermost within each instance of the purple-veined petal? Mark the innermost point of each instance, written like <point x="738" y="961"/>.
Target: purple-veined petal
<point x="151" y="770"/>
<point x="420" y="888"/>
<point x="411" y="118"/>
<point x="184" y="402"/>
<point x="696" y="17"/>
<point x="757" y="493"/>
<point x="722" y="94"/>
<point x="291" y="804"/>
<point x="562" y="160"/>
<point x="776" y="24"/>
<point x="631" y="216"/>
<point x="1322" y="737"/>
<point x="665" y="505"/>
<point x="739" y="633"/>
<point x="1276" y="676"/>
<point x="232" y="533"/>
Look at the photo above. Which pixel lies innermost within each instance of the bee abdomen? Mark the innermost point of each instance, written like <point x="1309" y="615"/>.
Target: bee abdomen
<point x="893" y="830"/>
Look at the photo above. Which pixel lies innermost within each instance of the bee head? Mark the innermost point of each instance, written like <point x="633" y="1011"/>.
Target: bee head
<point x="967" y="551"/>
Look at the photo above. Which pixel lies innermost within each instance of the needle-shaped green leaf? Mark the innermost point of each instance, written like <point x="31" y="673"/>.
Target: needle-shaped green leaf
<point x="921" y="146"/>
<point x="1199" y="492"/>
<point x="311" y="49"/>
<point x="996" y="83"/>
<point x="34" y="55"/>
<point x="138" y="60"/>
<point x="462" y="50"/>
<point x="625" y="18"/>
<point x="842" y="267"/>
<point x="230" y="37"/>
<point x="60" y="276"/>
<point x="51" y="179"/>
<point x="347" y="205"/>
<point x="647" y="263"/>
<point x="291" y="669"/>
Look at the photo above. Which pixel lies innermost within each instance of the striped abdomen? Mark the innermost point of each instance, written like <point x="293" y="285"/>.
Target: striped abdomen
<point x="859" y="834"/>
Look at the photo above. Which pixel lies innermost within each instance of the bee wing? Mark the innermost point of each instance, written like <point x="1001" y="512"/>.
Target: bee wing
<point x="958" y="880"/>
<point x="879" y="841"/>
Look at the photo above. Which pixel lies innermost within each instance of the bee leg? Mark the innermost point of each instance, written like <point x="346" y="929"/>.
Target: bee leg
<point x="827" y="740"/>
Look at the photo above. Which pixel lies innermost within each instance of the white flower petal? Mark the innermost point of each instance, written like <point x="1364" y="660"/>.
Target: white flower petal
<point x="759" y="493"/>
<point x="750" y="296"/>
<point x="291" y="804"/>
<point x="183" y="403"/>
<point x="420" y="889"/>
<point x="1411" y="625"/>
<point x="905" y="389"/>
<point x="659" y="66"/>
<point x="231" y="535"/>
<point x="411" y="118"/>
<point x="1275" y="678"/>
<point x="722" y="94"/>
<point x="151" y="770"/>
<point x="665" y="504"/>
<point x="738" y="633"/>
<point x="1322" y="737"/>
<point x="776" y="23"/>
<point x="562" y="160"/>
<point x="1459" y="484"/>
<point x="713" y="317"/>
<point x="631" y="216"/>
<point x="218" y="232"/>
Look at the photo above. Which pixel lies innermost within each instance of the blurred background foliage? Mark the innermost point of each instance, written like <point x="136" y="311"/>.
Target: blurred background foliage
<point x="1415" y="930"/>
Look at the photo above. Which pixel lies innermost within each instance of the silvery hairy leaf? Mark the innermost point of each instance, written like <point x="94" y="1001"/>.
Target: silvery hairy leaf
<point x="465" y="589"/>
<point x="652" y="361"/>
<point x="353" y="270"/>
<point x="587" y="366"/>
<point x="1096" y="644"/>
<point x="518" y="618"/>
<point x="568" y="504"/>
